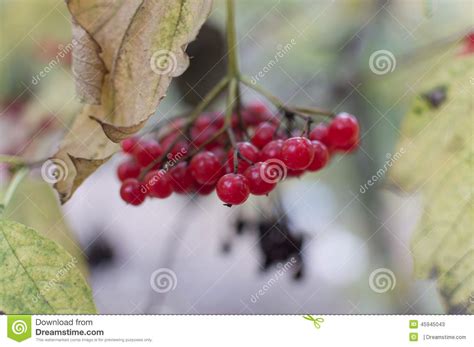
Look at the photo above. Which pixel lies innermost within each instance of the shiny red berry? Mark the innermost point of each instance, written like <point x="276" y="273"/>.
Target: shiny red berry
<point x="349" y="147"/>
<point x="147" y="151"/>
<point x="343" y="131"/>
<point x="297" y="153"/>
<point x="321" y="156"/>
<point x="320" y="133"/>
<point x="233" y="189"/>
<point x="247" y="151"/>
<point x="272" y="150"/>
<point x="263" y="134"/>
<point x="181" y="179"/>
<point x="259" y="179"/>
<point x="132" y="192"/>
<point x="206" y="168"/>
<point x="128" y="169"/>
<point x="157" y="184"/>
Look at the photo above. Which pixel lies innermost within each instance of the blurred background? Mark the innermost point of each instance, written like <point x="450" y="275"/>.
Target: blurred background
<point x="343" y="248"/>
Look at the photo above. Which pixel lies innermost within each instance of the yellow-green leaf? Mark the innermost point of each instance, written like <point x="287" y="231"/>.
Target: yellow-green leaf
<point x="126" y="56"/>
<point x="438" y="162"/>
<point x="37" y="276"/>
<point x="35" y="204"/>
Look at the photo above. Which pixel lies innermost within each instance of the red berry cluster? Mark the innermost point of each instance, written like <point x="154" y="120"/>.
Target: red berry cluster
<point x="192" y="159"/>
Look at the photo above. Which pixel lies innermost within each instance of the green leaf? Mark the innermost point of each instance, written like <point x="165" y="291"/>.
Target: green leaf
<point x="37" y="276"/>
<point x="438" y="162"/>
<point x="35" y="204"/>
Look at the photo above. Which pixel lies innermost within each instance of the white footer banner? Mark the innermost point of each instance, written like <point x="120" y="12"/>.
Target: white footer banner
<point x="237" y="330"/>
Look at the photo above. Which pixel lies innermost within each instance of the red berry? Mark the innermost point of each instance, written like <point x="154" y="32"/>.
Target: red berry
<point x="128" y="169"/>
<point x="350" y="147"/>
<point x="343" y="131"/>
<point x="247" y="151"/>
<point x="205" y="168"/>
<point x="272" y="150"/>
<point x="263" y="134"/>
<point x="468" y="44"/>
<point x="321" y="156"/>
<point x="294" y="173"/>
<point x="258" y="179"/>
<point x="219" y="153"/>
<point x="233" y="189"/>
<point x="181" y="179"/>
<point x="204" y="189"/>
<point x="218" y="120"/>
<point x="147" y="151"/>
<point x="177" y="124"/>
<point x="203" y="121"/>
<point x="297" y="153"/>
<point x="128" y="144"/>
<point x="201" y="136"/>
<point x="256" y="113"/>
<point x="181" y="146"/>
<point x="158" y="184"/>
<point x="320" y="133"/>
<point x="132" y="192"/>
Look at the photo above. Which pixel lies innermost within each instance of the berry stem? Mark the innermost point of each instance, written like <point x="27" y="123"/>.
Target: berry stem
<point x="233" y="143"/>
<point x="233" y="67"/>
<point x="213" y="93"/>
<point x="307" y="129"/>
<point x="301" y="112"/>
<point x="231" y="98"/>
